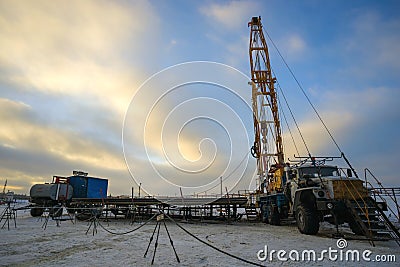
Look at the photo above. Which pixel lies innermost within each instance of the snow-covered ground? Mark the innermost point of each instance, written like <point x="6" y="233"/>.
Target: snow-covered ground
<point x="68" y="245"/>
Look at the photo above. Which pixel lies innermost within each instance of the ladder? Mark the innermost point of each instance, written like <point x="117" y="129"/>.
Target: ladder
<point x="371" y="221"/>
<point x="251" y="213"/>
<point x="367" y="217"/>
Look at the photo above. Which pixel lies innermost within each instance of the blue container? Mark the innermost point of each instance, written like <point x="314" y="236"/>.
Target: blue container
<point x="88" y="187"/>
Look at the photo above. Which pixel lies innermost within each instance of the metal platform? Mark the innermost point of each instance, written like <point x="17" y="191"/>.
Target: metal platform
<point x="165" y="201"/>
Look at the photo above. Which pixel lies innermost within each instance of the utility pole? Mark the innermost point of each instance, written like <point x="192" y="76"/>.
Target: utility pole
<point x="4" y="189"/>
<point x="221" y="185"/>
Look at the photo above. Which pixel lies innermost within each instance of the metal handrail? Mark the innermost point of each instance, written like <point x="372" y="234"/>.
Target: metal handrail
<point x="392" y="195"/>
<point x="378" y="182"/>
<point x="383" y="199"/>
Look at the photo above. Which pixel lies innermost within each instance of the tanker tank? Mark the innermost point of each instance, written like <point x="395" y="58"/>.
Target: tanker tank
<point x="41" y="193"/>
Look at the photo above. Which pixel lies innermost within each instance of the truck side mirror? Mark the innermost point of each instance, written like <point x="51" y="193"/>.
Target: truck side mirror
<point x="349" y="173"/>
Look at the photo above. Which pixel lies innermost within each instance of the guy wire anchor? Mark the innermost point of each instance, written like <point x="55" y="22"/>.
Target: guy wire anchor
<point x="160" y="218"/>
<point x="93" y="221"/>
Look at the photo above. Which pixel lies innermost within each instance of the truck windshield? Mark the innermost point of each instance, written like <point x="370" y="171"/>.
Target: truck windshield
<point x="310" y="172"/>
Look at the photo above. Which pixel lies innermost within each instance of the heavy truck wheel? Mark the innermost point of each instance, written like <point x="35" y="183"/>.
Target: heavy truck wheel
<point x="264" y="212"/>
<point x="274" y="217"/>
<point x="355" y="227"/>
<point x="307" y="220"/>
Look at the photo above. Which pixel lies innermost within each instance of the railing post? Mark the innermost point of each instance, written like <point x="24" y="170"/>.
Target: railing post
<point x="397" y="205"/>
<point x="348" y="163"/>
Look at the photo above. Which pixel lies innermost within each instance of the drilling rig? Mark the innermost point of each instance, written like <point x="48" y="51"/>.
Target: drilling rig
<point x="268" y="151"/>
<point x="305" y="189"/>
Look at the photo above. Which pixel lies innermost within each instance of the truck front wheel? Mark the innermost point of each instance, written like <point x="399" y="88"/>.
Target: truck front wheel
<point x="307" y="220"/>
<point x="355" y="227"/>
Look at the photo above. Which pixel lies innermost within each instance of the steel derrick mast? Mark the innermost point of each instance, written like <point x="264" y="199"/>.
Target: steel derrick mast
<point x="268" y="147"/>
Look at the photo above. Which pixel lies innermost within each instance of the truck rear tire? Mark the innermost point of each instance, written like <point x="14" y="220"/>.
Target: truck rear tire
<point x="307" y="220"/>
<point x="274" y="217"/>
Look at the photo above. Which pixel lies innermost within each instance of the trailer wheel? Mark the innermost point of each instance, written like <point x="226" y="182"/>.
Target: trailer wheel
<point x="56" y="211"/>
<point x="307" y="220"/>
<point x="36" y="212"/>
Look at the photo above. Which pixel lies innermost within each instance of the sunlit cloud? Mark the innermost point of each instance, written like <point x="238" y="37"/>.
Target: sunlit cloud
<point x="233" y="15"/>
<point x="24" y="132"/>
<point x="74" y="48"/>
<point x="356" y="120"/>
<point x="294" y="46"/>
<point x="71" y="63"/>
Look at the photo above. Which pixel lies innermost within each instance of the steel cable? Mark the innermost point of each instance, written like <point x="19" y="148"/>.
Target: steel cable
<point x="212" y="246"/>
<point x="130" y="231"/>
<point x="304" y="93"/>
<point x="294" y="119"/>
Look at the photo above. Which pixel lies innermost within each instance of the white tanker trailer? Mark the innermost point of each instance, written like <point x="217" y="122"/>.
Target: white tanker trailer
<point x="50" y="192"/>
<point x="49" y="195"/>
<point x="52" y="197"/>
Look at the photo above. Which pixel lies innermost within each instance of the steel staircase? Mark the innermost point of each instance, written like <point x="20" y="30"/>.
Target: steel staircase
<point x="251" y="213"/>
<point x="371" y="221"/>
<point x="367" y="215"/>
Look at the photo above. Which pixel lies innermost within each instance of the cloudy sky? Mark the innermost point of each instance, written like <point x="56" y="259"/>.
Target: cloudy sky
<point x="71" y="73"/>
